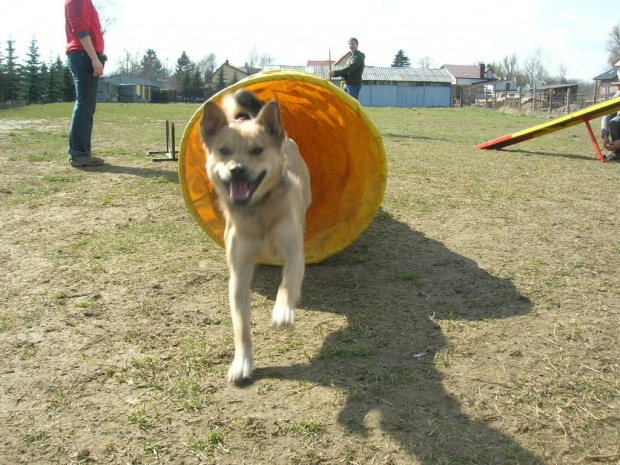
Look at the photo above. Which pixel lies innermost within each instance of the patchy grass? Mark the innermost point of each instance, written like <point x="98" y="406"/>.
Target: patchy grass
<point x="475" y="321"/>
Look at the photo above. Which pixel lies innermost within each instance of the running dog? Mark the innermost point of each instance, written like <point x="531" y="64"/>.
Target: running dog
<point x="263" y="189"/>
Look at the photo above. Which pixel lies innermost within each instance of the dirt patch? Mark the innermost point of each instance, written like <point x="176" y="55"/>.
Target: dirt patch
<point x="475" y="321"/>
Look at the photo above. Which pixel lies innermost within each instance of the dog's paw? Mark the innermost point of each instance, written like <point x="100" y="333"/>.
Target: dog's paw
<point x="283" y="315"/>
<point x="240" y="370"/>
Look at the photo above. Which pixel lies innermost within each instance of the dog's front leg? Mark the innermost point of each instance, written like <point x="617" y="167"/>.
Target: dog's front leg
<point x="290" y="287"/>
<point x="241" y="271"/>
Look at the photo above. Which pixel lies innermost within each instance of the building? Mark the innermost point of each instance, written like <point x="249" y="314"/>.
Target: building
<point x="466" y="79"/>
<point x="230" y="74"/>
<point x="607" y="84"/>
<point x="392" y="87"/>
<point x="127" y="89"/>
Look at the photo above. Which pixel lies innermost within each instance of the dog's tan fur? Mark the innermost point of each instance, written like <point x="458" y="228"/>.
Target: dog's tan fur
<point x="266" y="225"/>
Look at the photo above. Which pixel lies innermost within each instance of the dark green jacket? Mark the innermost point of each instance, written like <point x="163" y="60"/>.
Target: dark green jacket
<point x="352" y="71"/>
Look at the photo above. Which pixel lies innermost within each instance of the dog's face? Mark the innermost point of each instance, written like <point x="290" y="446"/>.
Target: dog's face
<point x="245" y="159"/>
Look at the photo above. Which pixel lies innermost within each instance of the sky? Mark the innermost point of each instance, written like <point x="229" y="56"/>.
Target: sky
<point x="569" y="33"/>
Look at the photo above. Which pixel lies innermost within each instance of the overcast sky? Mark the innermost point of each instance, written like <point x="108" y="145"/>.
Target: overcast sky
<point x="572" y="33"/>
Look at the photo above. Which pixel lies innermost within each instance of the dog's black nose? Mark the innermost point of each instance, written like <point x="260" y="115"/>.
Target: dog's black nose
<point x="239" y="172"/>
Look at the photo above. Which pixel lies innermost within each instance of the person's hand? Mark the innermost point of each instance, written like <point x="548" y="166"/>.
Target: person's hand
<point x="614" y="145"/>
<point x="98" y="68"/>
<point x="332" y="74"/>
<point x="606" y="142"/>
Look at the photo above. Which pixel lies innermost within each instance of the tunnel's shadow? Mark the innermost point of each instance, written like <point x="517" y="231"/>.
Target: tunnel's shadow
<point x="391" y="285"/>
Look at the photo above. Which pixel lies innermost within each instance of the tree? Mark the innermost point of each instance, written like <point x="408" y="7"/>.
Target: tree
<point x="68" y="85"/>
<point x="54" y="82"/>
<point x="534" y="69"/>
<point x="183" y="68"/>
<point x="207" y="67"/>
<point x="32" y="75"/>
<point x="508" y="68"/>
<point x="197" y="85"/>
<point x="265" y="59"/>
<point x="401" y="60"/>
<point x="11" y="74"/>
<point x="129" y="64"/>
<point x="2" y="79"/>
<point x="253" y="59"/>
<point x="562" y="71"/>
<point x="613" y="45"/>
<point x="151" y="67"/>
<point x="220" y="84"/>
<point x="105" y="20"/>
<point x="425" y="63"/>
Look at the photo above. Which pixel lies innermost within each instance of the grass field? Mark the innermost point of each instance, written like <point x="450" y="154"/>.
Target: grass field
<point x="474" y="322"/>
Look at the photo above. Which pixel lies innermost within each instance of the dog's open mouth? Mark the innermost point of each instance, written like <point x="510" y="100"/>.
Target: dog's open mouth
<point x="241" y="190"/>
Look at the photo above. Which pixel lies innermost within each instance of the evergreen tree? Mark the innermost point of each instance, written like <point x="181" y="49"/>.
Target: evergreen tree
<point x="11" y="74"/>
<point x="186" y="91"/>
<point x="184" y="66"/>
<point x="31" y="75"/>
<point x="54" y="82"/>
<point x="2" y="79"/>
<point x="44" y="77"/>
<point x="151" y="67"/>
<point x="234" y="78"/>
<point x="68" y="85"/>
<point x="401" y="60"/>
<point x="220" y="84"/>
<point x="197" y="85"/>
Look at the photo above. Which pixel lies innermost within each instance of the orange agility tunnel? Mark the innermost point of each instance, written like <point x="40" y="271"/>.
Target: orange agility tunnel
<point x="341" y="146"/>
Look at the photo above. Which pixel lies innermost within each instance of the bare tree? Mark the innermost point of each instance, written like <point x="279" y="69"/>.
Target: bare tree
<point x="534" y="69"/>
<point x="129" y="64"/>
<point x="265" y="59"/>
<point x="425" y="62"/>
<point x="613" y="45"/>
<point x="103" y="8"/>
<point x="510" y="67"/>
<point x="562" y="71"/>
<point x="256" y="60"/>
<point x="207" y="67"/>
<point x="253" y="58"/>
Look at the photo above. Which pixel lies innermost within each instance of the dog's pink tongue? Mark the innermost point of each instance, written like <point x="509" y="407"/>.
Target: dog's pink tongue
<point x="239" y="190"/>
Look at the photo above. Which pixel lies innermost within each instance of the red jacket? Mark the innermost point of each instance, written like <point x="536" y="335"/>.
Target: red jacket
<point x="81" y="19"/>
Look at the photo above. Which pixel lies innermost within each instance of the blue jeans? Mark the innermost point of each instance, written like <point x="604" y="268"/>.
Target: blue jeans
<point x="85" y="103"/>
<point x="353" y="91"/>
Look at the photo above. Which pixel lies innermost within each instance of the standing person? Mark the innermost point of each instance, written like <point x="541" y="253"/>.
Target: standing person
<point x="352" y="71"/>
<point x="85" y="53"/>
<point x="610" y="133"/>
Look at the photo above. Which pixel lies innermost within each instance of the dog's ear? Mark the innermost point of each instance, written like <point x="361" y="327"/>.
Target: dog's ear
<point x="213" y="120"/>
<point x="269" y="118"/>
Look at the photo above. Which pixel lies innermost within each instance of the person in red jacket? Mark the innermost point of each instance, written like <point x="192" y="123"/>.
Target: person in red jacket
<point x="85" y="47"/>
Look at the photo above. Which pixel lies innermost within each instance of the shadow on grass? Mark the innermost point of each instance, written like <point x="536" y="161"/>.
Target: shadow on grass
<point x="170" y="176"/>
<point x="549" y="154"/>
<point x="409" y="136"/>
<point x="392" y="285"/>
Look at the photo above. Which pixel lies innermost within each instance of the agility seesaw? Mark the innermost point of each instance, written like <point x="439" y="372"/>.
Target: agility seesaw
<point x="581" y="116"/>
<point x="341" y="146"/>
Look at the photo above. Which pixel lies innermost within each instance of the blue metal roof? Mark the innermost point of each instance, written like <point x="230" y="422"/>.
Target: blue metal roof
<point x="376" y="73"/>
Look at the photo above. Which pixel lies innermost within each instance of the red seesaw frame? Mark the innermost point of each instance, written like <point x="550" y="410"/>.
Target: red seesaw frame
<point x="581" y="116"/>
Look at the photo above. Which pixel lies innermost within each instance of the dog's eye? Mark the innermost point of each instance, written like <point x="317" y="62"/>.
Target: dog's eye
<point x="224" y="151"/>
<point x="256" y="151"/>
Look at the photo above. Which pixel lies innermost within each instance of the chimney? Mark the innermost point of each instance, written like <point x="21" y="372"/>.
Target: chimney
<point x="482" y="68"/>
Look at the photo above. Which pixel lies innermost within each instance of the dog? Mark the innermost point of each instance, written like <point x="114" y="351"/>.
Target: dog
<point x="262" y="185"/>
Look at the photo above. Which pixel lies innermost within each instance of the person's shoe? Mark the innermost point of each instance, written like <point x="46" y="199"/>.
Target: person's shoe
<point x="85" y="160"/>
